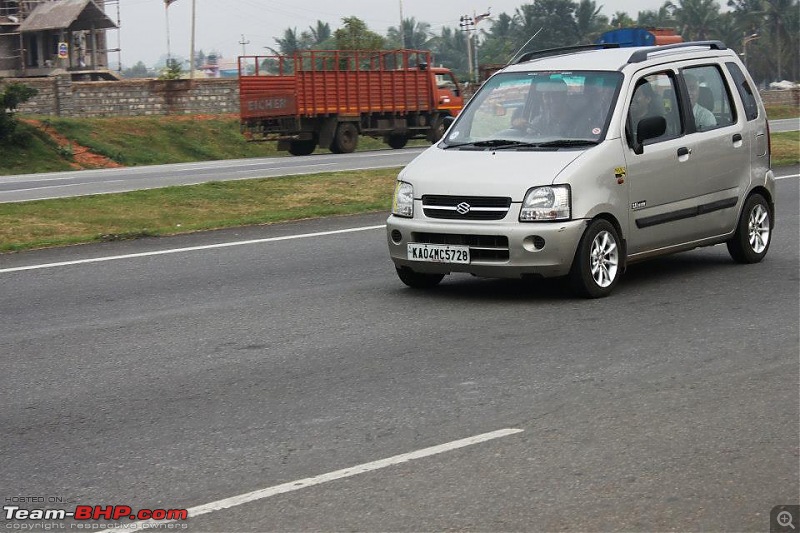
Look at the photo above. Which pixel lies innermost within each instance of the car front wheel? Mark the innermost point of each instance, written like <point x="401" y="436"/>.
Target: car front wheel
<point x="598" y="261"/>
<point x="418" y="280"/>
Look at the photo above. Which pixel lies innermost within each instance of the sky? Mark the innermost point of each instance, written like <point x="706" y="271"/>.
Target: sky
<point x="222" y="25"/>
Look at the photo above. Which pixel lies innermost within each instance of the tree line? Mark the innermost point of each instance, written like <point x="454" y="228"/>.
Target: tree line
<point x="767" y="31"/>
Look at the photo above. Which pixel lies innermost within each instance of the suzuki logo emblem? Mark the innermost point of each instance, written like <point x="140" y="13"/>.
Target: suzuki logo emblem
<point x="463" y="208"/>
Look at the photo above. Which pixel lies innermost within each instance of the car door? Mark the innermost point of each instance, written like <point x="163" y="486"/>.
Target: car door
<point x="719" y="147"/>
<point x="661" y="179"/>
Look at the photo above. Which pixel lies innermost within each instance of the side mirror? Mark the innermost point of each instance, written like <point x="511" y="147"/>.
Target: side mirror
<point x="648" y="128"/>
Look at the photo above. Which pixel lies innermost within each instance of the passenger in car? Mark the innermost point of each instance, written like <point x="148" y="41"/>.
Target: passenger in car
<point x="704" y="119"/>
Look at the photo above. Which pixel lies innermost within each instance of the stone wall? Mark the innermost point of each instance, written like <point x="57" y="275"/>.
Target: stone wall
<point x="785" y="97"/>
<point x="62" y="97"/>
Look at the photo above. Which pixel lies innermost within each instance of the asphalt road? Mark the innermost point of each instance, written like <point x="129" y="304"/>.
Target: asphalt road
<point x="27" y="187"/>
<point x="150" y="375"/>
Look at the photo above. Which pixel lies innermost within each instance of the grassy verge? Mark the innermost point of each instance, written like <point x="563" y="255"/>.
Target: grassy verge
<point x="785" y="148"/>
<point x="776" y="112"/>
<point x="175" y="210"/>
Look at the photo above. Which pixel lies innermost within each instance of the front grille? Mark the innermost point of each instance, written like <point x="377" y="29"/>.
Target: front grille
<point x="481" y="247"/>
<point x="465" y="207"/>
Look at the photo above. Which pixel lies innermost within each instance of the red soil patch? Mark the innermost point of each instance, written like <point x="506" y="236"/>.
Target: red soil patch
<point x="83" y="158"/>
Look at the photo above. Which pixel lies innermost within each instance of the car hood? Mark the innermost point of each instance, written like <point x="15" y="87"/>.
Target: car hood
<point x="485" y="173"/>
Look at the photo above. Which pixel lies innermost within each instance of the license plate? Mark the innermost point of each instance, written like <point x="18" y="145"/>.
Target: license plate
<point x="438" y="253"/>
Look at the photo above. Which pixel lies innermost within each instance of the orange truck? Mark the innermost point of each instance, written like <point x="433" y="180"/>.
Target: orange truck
<point x="328" y="98"/>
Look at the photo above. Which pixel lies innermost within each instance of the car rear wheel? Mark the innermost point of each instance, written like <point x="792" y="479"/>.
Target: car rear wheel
<point x="598" y="261"/>
<point x="418" y="280"/>
<point x="753" y="232"/>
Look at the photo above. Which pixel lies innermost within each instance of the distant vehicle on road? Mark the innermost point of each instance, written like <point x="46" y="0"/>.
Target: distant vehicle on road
<point x="640" y="37"/>
<point x="328" y="98"/>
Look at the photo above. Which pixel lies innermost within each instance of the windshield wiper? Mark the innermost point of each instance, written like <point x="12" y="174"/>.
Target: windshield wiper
<point x="494" y="143"/>
<point x="567" y="143"/>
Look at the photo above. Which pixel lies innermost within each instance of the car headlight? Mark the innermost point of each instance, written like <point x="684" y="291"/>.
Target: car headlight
<point x="403" y="204"/>
<point x="546" y="203"/>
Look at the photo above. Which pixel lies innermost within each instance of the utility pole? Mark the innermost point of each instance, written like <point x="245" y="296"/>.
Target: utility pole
<point x="746" y="40"/>
<point x="244" y="45"/>
<point x="467" y="25"/>
<point x="191" y="57"/>
<point x="402" y="33"/>
<point x="477" y="19"/>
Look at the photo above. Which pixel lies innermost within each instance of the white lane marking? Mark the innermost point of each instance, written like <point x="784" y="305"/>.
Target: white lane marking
<point x="787" y="177"/>
<point x="61" y="186"/>
<point x="261" y="494"/>
<point x="189" y="249"/>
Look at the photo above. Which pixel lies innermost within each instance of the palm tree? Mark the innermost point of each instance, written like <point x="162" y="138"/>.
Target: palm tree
<point x="656" y="19"/>
<point x="289" y="44"/>
<point x="498" y="45"/>
<point x="450" y="49"/>
<point x="590" y="23"/>
<point x="778" y="13"/>
<point x="622" y="20"/>
<point x="415" y="35"/>
<point x="696" y="19"/>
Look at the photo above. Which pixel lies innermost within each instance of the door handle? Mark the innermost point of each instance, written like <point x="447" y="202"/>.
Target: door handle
<point x="737" y="137"/>
<point x="683" y="151"/>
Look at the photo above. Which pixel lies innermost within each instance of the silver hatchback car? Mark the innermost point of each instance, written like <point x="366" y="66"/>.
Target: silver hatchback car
<point x="579" y="161"/>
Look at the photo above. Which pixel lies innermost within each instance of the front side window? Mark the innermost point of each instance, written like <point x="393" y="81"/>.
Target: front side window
<point x="708" y="97"/>
<point x="654" y="95"/>
<point x="539" y="107"/>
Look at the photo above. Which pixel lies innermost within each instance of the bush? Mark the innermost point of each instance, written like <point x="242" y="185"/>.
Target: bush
<point x="11" y="97"/>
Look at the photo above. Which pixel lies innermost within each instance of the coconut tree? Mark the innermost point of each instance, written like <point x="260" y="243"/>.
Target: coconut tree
<point x="696" y="19"/>
<point x="588" y="20"/>
<point x="415" y="35"/>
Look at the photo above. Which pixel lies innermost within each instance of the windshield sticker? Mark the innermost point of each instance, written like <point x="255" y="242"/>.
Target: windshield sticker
<point x="596" y="131"/>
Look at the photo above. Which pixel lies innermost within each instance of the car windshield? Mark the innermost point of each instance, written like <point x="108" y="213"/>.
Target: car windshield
<point x="523" y="110"/>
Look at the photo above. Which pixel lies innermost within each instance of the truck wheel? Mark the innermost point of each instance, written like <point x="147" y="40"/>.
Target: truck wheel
<point x="437" y="130"/>
<point x="346" y="139"/>
<point x="397" y="141"/>
<point x="302" y="147"/>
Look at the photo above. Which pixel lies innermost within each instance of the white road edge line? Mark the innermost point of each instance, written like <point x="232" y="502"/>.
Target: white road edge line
<point x="261" y="494"/>
<point x="787" y="177"/>
<point x="189" y="249"/>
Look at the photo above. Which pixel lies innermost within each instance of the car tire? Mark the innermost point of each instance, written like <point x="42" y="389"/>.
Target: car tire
<point x="597" y="265"/>
<point x="753" y="231"/>
<point x="418" y="280"/>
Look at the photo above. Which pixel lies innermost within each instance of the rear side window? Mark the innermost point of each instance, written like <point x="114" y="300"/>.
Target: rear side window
<point x="709" y="98"/>
<point x="745" y="91"/>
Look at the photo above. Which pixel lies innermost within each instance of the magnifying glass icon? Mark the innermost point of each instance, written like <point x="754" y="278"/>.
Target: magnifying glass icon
<point x="785" y="519"/>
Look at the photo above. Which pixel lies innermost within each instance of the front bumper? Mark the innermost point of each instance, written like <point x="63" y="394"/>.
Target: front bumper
<point x="497" y="249"/>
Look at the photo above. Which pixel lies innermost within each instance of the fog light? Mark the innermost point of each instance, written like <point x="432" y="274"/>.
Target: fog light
<point x="397" y="237"/>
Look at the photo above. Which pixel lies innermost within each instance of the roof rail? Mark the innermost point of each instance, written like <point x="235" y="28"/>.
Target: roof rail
<point x="642" y="55"/>
<point x="538" y="54"/>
